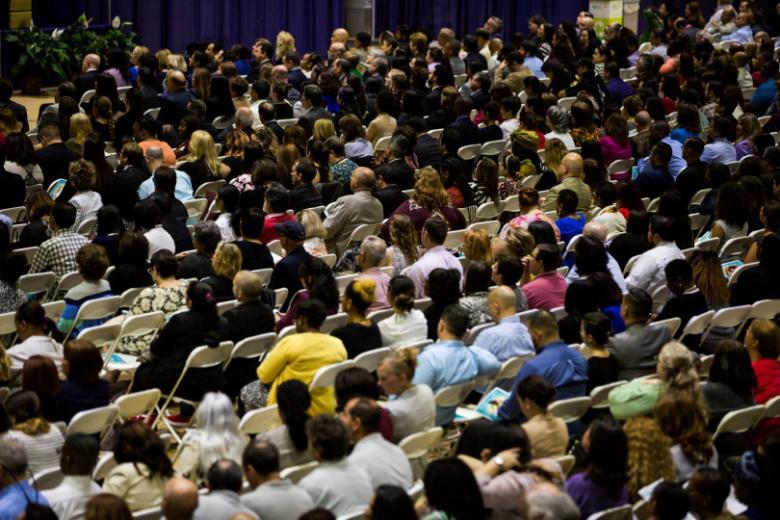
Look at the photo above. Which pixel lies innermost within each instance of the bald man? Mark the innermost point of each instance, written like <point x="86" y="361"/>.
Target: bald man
<point x="598" y="231"/>
<point x="251" y="316"/>
<point x="180" y="499"/>
<point x="173" y="104"/>
<point x="350" y="211"/>
<point x="571" y="175"/>
<point x="510" y="337"/>
<point x="339" y="35"/>
<point x="89" y="71"/>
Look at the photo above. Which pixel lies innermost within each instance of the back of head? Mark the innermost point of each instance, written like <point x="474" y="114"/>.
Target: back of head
<point x="547" y="503"/>
<point x="107" y="505"/>
<point x="450" y="487"/>
<point x="456" y="320"/>
<point x="207" y="236"/>
<point x="354" y="382"/>
<point x="294" y="400"/>
<point x="436" y="228"/>
<point x="537" y="389"/>
<point x="313" y="311"/>
<point x="262" y="456"/>
<point x="545" y="323"/>
<point x="369" y="413"/>
<point x="79" y="454"/>
<point x="392" y="503"/>
<point x="329" y="438"/>
<point x="13" y="458"/>
<point x="765" y="336"/>
<point x="670" y="501"/>
<point x="638" y="304"/>
<point x="64" y="214"/>
<point x="180" y="499"/>
<point x="224" y="474"/>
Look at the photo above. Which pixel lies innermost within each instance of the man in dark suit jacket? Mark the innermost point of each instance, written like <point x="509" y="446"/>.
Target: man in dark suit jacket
<point x="304" y="195"/>
<point x="286" y="271"/>
<point x="315" y="108"/>
<point x="86" y="81"/>
<point x="390" y="195"/>
<point x="54" y="158"/>
<point x="397" y="171"/>
<point x="12" y="187"/>
<point x="6" y="91"/>
<point x="295" y="75"/>
<point x="469" y="132"/>
<point x="427" y="148"/>
<point x="265" y="112"/>
<point x="173" y="105"/>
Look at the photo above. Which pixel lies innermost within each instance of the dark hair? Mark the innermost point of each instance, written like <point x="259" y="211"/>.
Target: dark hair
<point x="165" y="263"/>
<point x="568" y="201"/>
<point x="23" y="406"/>
<point x="320" y="281"/>
<point x="437" y="229"/>
<point x="369" y="413"/>
<point x="278" y="197"/>
<point x="590" y="256"/>
<point x="106" y="506"/>
<point x="663" y="226"/>
<point x="639" y="303"/>
<point x="82" y="451"/>
<point x="146" y="214"/>
<point x="392" y="503"/>
<point x="456" y="320"/>
<point x="679" y="269"/>
<point x="402" y="289"/>
<point x="638" y="223"/>
<point x="84" y="362"/>
<point x="732" y="367"/>
<point x="597" y="325"/>
<point x="511" y="270"/>
<point x="164" y="180"/>
<point x="537" y="389"/>
<point x="496" y="437"/>
<point x="225" y="474"/>
<point x="549" y="256"/>
<point x="543" y="233"/>
<point x="608" y="456"/>
<point x="109" y="220"/>
<point x="354" y="382"/>
<point x="329" y="437"/>
<point x="733" y="204"/>
<point x="252" y="222"/>
<point x="671" y="501"/>
<point x="64" y="214"/>
<point x="134" y="248"/>
<point x="204" y="304"/>
<point x="443" y="286"/>
<point x="314" y="312"/>
<point x="294" y="400"/>
<point x="450" y="487"/>
<point x="135" y="442"/>
<point x="477" y="278"/>
<point x="262" y="456"/>
<point x="716" y="487"/>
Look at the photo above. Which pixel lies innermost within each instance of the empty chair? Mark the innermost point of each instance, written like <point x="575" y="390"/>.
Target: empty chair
<point x="418" y="445"/>
<point x="208" y="187"/>
<point x="469" y="152"/>
<point x="93" y="422"/>
<point x="570" y="410"/>
<point x="137" y="403"/>
<point x="37" y="285"/>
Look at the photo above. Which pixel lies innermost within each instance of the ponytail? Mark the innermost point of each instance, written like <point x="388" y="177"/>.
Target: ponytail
<point x="294" y="400"/>
<point x="203" y="303"/>
<point x="402" y="290"/>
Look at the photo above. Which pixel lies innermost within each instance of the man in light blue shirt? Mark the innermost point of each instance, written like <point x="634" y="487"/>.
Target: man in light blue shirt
<point x="449" y="362"/>
<point x="16" y="492"/>
<point x="720" y="150"/>
<point x="743" y="34"/>
<point x="531" y="60"/>
<point x="510" y="337"/>
<point x="154" y="159"/>
<point x="676" y="163"/>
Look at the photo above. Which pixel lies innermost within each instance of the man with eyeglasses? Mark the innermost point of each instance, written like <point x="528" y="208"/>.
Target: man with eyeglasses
<point x="15" y="492"/>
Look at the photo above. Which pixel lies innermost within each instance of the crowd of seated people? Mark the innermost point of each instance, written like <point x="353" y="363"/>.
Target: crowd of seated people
<point x="358" y="281"/>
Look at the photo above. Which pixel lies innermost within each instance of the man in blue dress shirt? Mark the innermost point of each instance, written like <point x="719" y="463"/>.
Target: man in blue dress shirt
<point x="720" y="150"/>
<point x="16" y="492"/>
<point x="510" y="337"/>
<point x="562" y="366"/>
<point x="449" y="362"/>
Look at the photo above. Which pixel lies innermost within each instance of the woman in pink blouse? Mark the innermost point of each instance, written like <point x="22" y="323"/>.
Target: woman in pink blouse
<point x="529" y="212"/>
<point x="615" y="144"/>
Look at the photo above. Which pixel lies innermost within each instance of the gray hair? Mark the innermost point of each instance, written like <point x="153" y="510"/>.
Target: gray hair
<point x="559" y="118"/>
<point x="217" y="433"/>
<point x="13" y="457"/>
<point x="155" y="153"/>
<point x="374" y="250"/>
<point x="544" y="505"/>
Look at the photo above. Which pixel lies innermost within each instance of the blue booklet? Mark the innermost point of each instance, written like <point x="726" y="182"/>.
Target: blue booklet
<point x="489" y="405"/>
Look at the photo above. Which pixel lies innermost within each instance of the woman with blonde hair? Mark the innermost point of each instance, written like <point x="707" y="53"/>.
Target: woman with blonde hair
<point x="201" y="83"/>
<point x="41" y="439"/>
<point x="476" y="246"/>
<point x="405" y="248"/>
<point x="429" y="199"/>
<point x="285" y="43"/>
<point x="202" y="164"/>
<point x="80" y="128"/>
<point x="177" y="62"/>
<point x="215" y="437"/>
<point x="412" y="407"/>
<point x="226" y="262"/>
<point x="360" y="334"/>
<point x="554" y="150"/>
<point x="649" y="454"/>
<point x="748" y="128"/>
<point x="323" y="129"/>
<point x="162" y="56"/>
<point x="286" y="156"/>
<point x="314" y="244"/>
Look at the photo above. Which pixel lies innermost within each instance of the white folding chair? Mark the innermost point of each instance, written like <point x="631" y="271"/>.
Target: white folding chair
<point x="280" y="296"/>
<point x="660" y="296"/>
<point x="772" y="408"/>
<point x="284" y="123"/>
<point x="599" y="396"/>
<point x="54" y="309"/>
<point x="200" y="357"/>
<point x="762" y="309"/>
<point x="276" y="247"/>
<point x="326" y="376"/>
<point x="101" y="309"/>
<point x="371" y="359"/>
<point x="710" y="244"/>
<point x="453" y="395"/>
<point x="654" y="205"/>
<point x="195" y="207"/>
<point x="487" y="211"/>
<point x="382" y="145"/>
<point x="525" y="316"/>
<point x="264" y="274"/>
<point x="141" y="325"/>
<point x="333" y="322"/>
<point x="697" y="325"/>
<point x="329" y="259"/>
<point x="87" y="226"/>
<point x="620" y="166"/>
<point x="153" y="513"/>
<point x="417" y="446"/>
<point x="223" y="307"/>
<point x="253" y="347"/>
<point x="491" y="227"/>
<point x="689" y="252"/>
<point x="436" y="133"/>
<point x="730" y="317"/>
<point x="208" y="187"/>
<point x="260" y="421"/>
<point x="362" y="231"/>
<point x="492" y="148"/>
<point x="129" y="296"/>
<point x="566" y="462"/>
<point x="454" y="238"/>
<point x="102" y="336"/>
<point x="37" y="284"/>
<point x="67" y="282"/>
<point x="737" y="246"/>
<point x="739" y="421"/>
<point x="104" y="465"/>
<point x="296" y="473"/>
<point x="511" y="204"/>
<point x="472" y="334"/>
<point x="87" y="96"/>
<point x="509" y="370"/>
<point x="570" y="409"/>
<point x="380" y="315"/>
<point x="469" y="151"/>
<point x="566" y="102"/>
<point x="705" y="363"/>
<point x="672" y="324"/>
<point x="698" y="197"/>
<point x="615" y="513"/>
<point x="47" y="479"/>
<point x="630" y="265"/>
<point x="16" y="214"/>
<point x="93" y="422"/>
<point x="698" y="221"/>
<point x="137" y="403"/>
<point x="559" y="312"/>
<point x="153" y="112"/>
<point x="28" y="252"/>
<point x="419" y="345"/>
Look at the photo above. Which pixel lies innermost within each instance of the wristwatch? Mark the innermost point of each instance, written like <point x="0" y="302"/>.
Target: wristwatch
<point x="499" y="461"/>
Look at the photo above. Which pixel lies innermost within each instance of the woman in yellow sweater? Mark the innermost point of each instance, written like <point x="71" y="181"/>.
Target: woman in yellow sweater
<point x="300" y="355"/>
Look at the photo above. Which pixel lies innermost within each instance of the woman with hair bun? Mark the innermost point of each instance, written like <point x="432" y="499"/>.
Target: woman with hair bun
<point x="184" y="332"/>
<point x="360" y="334"/>
<point x="411" y="407"/>
<point x="407" y="325"/>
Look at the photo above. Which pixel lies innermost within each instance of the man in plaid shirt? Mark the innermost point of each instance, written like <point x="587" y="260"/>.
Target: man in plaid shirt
<point x="58" y="254"/>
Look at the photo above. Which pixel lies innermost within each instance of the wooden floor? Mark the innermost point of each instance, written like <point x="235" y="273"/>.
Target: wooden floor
<point x="32" y="104"/>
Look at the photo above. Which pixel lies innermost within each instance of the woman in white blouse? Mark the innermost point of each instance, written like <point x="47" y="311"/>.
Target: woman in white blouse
<point x="42" y="440"/>
<point x="407" y="325"/>
<point x="411" y="407"/>
<point x="87" y="200"/>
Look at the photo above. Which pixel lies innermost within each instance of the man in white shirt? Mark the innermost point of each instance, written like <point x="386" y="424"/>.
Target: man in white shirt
<point x="78" y="459"/>
<point x="648" y="270"/>
<point x="510" y="337"/>
<point x="509" y="108"/>
<point x="436" y="256"/>
<point x="336" y="484"/>
<point x="30" y="327"/>
<point x="743" y="34"/>
<point x="384" y="462"/>
<point x="224" y="480"/>
<point x="271" y="498"/>
<point x="147" y="216"/>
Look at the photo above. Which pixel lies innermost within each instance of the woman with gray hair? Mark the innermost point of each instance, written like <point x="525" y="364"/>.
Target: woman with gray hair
<point x="216" y="437"/>
<point x="558" y="121"/>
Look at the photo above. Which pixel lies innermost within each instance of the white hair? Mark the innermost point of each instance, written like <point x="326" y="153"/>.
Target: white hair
<point x="374" y="249"/>
<point x="217" y="435"/>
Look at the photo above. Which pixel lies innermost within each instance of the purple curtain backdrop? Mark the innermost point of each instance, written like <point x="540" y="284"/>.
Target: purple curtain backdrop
<point x="175" y="23"/>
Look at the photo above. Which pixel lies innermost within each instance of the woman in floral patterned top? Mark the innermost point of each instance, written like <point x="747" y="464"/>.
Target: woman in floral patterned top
<point x="11" y="268"/>
<point x="168" y="295"/>
<point x="584" y="129"/>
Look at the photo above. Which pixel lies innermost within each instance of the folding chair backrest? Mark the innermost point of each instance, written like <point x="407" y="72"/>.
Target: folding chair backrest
<point x="739" y="421"/>
<point x="260" y="421"/>
<point x="206" y="357"/>
<point x="296" y="473"/>
<point x="422" y="303"/>
<point x="419" y="345"/>
<point x="54" y="309"/>
<point x="735" y="247"/>
<point x="525" y="316"/>
<point x="739" y="270"/>
<point x="326" y="376"/>
<point x="772" y="408"/>
<point x="7" y="324"/>
<point x="419" y="444"/>
<point x="382" y="145"/>
<point x="453" y="395"/>
<point x="137" y="403"/>
<point x="491" y="227"/>
<point x="101" y="335"/>
<point x="333" y="322"/>
<point x="705" y="364"/>
<point x="570" y="409"/>
<point x="509" y="370"/>
<point x="673" y="324"/>
<point x="730" y="316"/>
<point x="371" y="359"/>
<point x="630" y="265"/>
<point x="87" y="226"/>
<point x="264" y="274"/>
<point x="37" y="283"/>
<point x="487" y="211"/>
<point x="252" y="347"/>
<point x="472" y="334"/>
<point x="362" y="231"/>
<point x="223" y="307"/>
<point x="469" y="151"/>
<point x="17" y="214"/>
<point x="620" y="166"/>
<point x="599" y="396"/>
<point x="129" y="296"/>
<point x="105" y="464"/>
<point x="67" y="282"/>
<point x="710" y="244"/>
<point x="698" y="324"/>
<point x="615" y="513"/>
<point x="765" y="309"/>
<point x="380" y="315"/>
<point x="329" y="259"/>
<point x="100" y="309"/>
<point x="566" y="462"/>
<point x="208" y="187"/>
<point x="492" y="148"/>
<point x="153" y="513"/>
<point x="698" y="197"/>
<point x="47" y="479"/>
<point x="512" y="204"/>
<point x="93" y="422"/>
<point x="280" y="296"/>
<point x="342" y="281"/>
<point x="454" y="238"/>
<point x="276" y="247"/>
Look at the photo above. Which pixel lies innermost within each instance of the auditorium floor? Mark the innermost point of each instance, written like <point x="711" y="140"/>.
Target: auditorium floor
<point x="32" y="104"/>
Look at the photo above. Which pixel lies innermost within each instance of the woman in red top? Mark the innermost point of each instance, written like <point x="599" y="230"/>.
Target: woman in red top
<point x="277" y="209"/>
<point x="763" y="343"/>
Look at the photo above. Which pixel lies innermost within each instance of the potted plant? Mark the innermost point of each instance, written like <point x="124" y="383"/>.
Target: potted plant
<point x="40" y="56"/>
<point x="119" y="36"/>
<point x="80" y="41"/>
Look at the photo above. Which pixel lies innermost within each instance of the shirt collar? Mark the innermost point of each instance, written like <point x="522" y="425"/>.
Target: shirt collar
<point x="510" y="319"/>
<point x="451" y="343"/>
